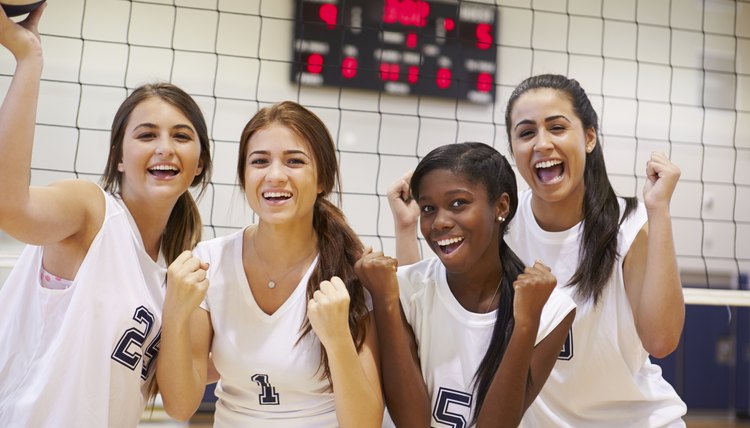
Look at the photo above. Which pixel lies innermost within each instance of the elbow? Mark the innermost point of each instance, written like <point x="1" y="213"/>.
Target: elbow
<point x="660" y="342"/>
<point x="179" y="411"/>
<point x="662" y="350"/>
<point x="662" y="347"/>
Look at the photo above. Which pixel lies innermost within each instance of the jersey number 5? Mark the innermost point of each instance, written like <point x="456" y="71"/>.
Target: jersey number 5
<point x="446" y="397"/>
<point x="136" y="337"/>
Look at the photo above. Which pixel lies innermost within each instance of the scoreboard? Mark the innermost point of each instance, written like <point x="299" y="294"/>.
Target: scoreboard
<point x="435" y="48"/>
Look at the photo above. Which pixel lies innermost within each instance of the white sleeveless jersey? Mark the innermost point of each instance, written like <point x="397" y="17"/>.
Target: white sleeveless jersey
<point x="603" y="377"/>
<point x="451" y="341"/>
<point x="83" y="356"/>
<point x="268" y="379"/>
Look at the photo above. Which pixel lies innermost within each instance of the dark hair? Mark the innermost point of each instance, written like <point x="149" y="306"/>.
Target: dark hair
<point x="480" y="163"/>
<point x="184" y="226"/>
<point x="338" y="246"/>
<point x="601" y="211"/>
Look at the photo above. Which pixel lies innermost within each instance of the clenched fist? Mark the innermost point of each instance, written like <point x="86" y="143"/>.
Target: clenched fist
<point x="661" y="180"/>
<point x="533" y="287"/>
<point x="328" y="311"/>
<point x="186" y="285"/>
<point x="377" y="272"/>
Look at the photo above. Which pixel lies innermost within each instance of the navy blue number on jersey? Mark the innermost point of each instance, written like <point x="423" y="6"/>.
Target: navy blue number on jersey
<point x="136" y="337"/>
<point x="567" y="351"/>
<point x="441" y="412"/>
<point x="268" y="395"/>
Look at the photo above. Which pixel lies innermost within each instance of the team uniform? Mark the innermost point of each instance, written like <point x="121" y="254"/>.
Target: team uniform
<point x="84" y="355"/>
<point x="603" y="377"/>
<point x="451" y="341"/>
<point x="269" y="378"/>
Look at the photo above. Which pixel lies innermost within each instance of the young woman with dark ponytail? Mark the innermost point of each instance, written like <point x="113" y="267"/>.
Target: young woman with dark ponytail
<point x="285" y="318"/>
<point x="81" y="318"/>
<point x="614" y="256"/>
<point x="470" y="337"/>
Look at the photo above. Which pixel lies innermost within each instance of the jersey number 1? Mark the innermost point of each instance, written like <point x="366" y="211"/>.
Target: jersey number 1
<point x="268" y="395"/>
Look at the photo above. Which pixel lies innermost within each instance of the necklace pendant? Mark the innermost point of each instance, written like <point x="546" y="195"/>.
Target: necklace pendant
<point x="271" y="284"/>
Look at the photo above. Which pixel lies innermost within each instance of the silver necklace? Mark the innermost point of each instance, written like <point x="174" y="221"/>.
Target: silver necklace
<point x="489" y="305"/>
<point x="271" y="283"/>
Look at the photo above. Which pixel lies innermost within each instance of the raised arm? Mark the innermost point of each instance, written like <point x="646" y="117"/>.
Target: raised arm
<point x="652" y="280"/>
<point x="405" y="390"/>
<point x="524" y="367"/>
<point x="182" y="366"/>
<point x="405" y="216"/>
<point x="355" y="376"/>
<point x="34" y="215"/>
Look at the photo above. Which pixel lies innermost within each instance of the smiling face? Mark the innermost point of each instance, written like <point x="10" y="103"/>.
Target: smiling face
<point x="458" y="221"/>
<point x="550" y="144"/>
<point x="281" y="182"/>
<point x="160" y="152"/>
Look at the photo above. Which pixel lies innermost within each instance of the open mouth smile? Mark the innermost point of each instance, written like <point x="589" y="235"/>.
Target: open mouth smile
<point x="550" y="171"/>
<point x="163" y="171"/>
<point x="449" y="245"/>
<point x="276" y="197"/>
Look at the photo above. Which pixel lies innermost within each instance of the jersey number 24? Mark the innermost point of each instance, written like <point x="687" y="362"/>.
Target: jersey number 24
<point x="135" y="338"/>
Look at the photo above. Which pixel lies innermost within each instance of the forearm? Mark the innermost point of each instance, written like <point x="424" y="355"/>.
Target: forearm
<point x="508" y="395"/>
<point x="407" y="245"/>
<point x="358" y="404"/>
<point x="177" y="374"/>
<point x="661" y="300"/>
<point x="17" y="122"/>
<point x="405" y="390"/>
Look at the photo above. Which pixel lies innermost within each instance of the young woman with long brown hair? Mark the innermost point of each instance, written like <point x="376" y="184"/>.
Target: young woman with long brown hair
<point x="285" y="318"/>
<point x="81" y="321"/>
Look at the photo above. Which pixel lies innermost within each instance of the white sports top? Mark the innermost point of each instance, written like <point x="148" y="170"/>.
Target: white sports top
<point x="451" y="341"/>
<point x="268" y="379"/>
<point x="82" y="356"/>
<point x="604" y="377"/>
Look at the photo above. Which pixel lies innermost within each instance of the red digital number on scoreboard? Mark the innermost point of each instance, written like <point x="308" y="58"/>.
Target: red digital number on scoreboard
<point x="444" y="49"/>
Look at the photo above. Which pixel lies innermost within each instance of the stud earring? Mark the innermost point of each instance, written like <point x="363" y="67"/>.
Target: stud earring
<point x="500" y="218"/>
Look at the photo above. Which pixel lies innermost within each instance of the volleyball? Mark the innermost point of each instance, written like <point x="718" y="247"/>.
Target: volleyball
<point x="20" y="7"/>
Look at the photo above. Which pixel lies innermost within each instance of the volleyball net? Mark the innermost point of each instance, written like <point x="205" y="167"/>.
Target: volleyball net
<point x="666" y="75"/>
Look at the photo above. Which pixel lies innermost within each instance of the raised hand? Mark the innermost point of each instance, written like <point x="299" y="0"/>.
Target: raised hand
<point x="377" y="273"/>
<point x="186" y="285"/>
<point x="404" y="209"/>
<point x="532" y="289"/>
<point x="21" y="38"/>
<point x="661" y="180"/>
<point x="328" y="312"/>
